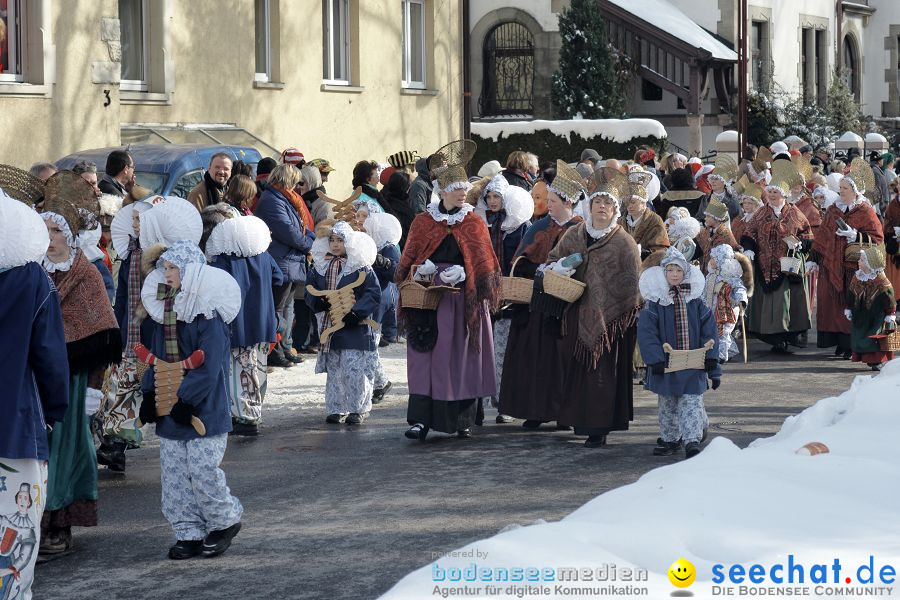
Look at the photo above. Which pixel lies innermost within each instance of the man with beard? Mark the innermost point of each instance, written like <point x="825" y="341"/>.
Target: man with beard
<point x="212" y="189"/>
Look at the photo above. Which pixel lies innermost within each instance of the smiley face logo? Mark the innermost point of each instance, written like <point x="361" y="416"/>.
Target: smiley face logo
<point x="682" y="573"/>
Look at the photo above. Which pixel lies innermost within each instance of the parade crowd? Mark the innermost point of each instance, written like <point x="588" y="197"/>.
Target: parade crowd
<point x="539" y="291"/>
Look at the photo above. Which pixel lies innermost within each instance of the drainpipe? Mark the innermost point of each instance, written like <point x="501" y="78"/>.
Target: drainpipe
<point x="838" y="46"/>
<point x="467" y="76"/>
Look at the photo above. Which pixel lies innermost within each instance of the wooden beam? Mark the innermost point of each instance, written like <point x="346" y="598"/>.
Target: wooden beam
<point x="664" y="83"/>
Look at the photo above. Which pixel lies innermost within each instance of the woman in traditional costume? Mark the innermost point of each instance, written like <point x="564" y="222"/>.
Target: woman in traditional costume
<point x="599" y="329"/>
<point x="450" y="351"/>
<point x="872" y="309"/>
<point x="779" y="310"/>
<point x="851" y="219"/>
<point x="93" y="342"/>
<point x="534" y="365"/>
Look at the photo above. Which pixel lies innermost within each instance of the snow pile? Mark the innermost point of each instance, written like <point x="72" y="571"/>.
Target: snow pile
<point x="616" y="130"/>
<point x="728" y="506"/>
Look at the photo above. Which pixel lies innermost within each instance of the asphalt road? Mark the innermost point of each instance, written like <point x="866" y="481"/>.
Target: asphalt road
<point x="332" y="512"/>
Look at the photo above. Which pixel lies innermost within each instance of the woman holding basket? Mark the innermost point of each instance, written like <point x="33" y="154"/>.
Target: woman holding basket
<point x="450" y="350"/>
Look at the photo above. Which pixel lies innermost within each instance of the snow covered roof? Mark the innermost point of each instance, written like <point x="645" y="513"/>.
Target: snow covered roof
<point x="616" y="130"/>
<point x="668" y="19"/>
<point x="731" y="506"/>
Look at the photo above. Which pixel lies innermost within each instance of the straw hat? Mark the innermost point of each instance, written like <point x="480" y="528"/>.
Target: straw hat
<point x="21" y="185"/>
<point x="70" y="196"/>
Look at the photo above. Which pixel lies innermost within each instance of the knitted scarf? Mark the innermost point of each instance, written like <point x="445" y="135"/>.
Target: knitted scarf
<point x="495" y="220"/>
<point x="170" y="321"/>
<point x="215" y="191"/>
<point x="134" y="297"/>
<point x="482" y="284"/>
<point x="830" y="247"/>
<point x="299" y="205"/>
<point x="682" y="326"/>
<point x="611" y="302"/>
<point x="332" y="278"/>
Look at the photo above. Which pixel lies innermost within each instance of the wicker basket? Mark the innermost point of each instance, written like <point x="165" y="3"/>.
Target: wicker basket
<point x="415" y="295"/>
<point x="888" y="342"/>
<point x="516" y="290"/>
<point x="792" y="264"/>
<point x="562" y="287"/>
<point x="681" y="360"/>
<point x="854" y="249"/>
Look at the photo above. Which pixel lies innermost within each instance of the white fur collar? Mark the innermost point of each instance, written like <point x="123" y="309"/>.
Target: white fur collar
<point x="205" y="291"/>
<point x="436" y="214"/>
<point x="242" y="236"/>
<point x="655" y="288"/>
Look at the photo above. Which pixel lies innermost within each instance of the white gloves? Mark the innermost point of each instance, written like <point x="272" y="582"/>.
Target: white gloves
<point x="849" y="233"/>
<point x="453" y="275"/>
<point x="92" y="398"/>
<point x="750" y="254"/>
<point x="639" y="249"/>
<point x="426" y="271"/>
<point x="891" y="321"/>
<point x="557" y="267"/>
<point x="848" y="314"/>
<point x="798" y="246"/>
<point x="897" y="232"/>
<point x="811" y="267"/>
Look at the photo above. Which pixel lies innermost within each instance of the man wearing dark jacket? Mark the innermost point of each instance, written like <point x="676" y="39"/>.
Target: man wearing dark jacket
<point x="34" y="377"/>
<point x="420" y="191"/>
<point x="119" y="176"/>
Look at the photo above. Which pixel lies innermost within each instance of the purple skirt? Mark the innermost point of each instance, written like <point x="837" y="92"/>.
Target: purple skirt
<point x="453" y="370"/>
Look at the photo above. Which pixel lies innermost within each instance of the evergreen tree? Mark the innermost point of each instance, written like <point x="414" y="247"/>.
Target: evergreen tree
<point x="841" y="107"/>
<point x="590" y="76"/>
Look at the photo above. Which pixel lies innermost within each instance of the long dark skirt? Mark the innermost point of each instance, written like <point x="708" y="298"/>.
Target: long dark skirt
<point x="531" y="387"/>
<point x="597" y="401"/>
<point x="440" y="415"/>
<point x="781" y="314"/>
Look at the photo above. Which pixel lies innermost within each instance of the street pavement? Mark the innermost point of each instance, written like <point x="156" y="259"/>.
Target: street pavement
<point x="335" y="512"/>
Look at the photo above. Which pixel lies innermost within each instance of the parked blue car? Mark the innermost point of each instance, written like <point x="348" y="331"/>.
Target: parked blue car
<point x="167" y="169"/>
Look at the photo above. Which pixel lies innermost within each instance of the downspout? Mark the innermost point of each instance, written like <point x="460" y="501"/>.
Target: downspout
<point x="838" y="46"/>
<point x="467" y="76"/>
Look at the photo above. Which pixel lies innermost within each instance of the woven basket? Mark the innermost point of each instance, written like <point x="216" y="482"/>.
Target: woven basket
<point x="854" y="249"/>
<point x="888" y="342"/>
<point x="564" y="288"/>
<point x="516" y="290"/>
<point x="792" y="264"/>
<point x="415" y="295"/>
<point x="681" y="360"/>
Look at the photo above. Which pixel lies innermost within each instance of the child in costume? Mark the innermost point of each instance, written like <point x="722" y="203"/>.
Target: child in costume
<point x="872" y="308"/>
<point x="675" y="314"/>
<point x="725" y="295"/>
<point x="348" y="354"/>
<point x="192" y="305"/>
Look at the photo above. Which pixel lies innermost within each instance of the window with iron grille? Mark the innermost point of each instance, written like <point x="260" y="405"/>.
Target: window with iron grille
<point x="507" y="87"/>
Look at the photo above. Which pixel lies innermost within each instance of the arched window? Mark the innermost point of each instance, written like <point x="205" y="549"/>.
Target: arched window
<point x="507" y="87"/>
<point x="850" y="60"/>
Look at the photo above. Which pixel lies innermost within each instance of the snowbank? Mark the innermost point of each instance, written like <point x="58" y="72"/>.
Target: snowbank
<point x="728" y="506"/>
<point x="616" y="130"/>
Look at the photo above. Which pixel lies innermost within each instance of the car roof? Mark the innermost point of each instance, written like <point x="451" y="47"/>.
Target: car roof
<point x="164" y="158"/>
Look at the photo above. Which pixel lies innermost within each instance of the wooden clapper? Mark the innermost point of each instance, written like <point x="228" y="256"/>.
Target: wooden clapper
<point x="340" y="302"/>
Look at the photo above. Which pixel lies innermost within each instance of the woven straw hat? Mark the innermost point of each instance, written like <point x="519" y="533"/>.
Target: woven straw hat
<point x="874" y="256"/>
<point x="567" y="182"/>
<point x="717" y="210"/>
<point x="69" y="195"/>
<point x="21" y="185"/>
<point x="449" y="162"/>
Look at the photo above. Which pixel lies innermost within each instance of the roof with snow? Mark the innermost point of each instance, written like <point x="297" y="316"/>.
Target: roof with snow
<point x="672" y="22"/>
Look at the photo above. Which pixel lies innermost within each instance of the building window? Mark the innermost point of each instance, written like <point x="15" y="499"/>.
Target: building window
<point x="263" y="41"/>
<point x="807" y="53"/>
<point x="11" y="46"/>
<point x="759" y="55"/>
<point x="821" y="66"/>
<point x="133" y="26"/>
<point x="650" y="91"/>
<point x="336" y="41"/>
<point x="414" y="44"/>
<point x="851" y="66"/>
<point x="507" y="87"/>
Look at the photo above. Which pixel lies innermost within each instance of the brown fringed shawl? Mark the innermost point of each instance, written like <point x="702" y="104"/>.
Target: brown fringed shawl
<point x="651" y="234"/>
<point x="541" y="237"/>
<point x="863" y="293"/>
<point x="830" y="247"/>
<point x="93" y="337"/>
<point x="611" y="302"/>
<point x="721" y="235"/>
<point x="482" y="268"/>
<point x="768" y="232"/>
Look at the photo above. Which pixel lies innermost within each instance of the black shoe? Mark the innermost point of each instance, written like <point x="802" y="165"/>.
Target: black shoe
<point x="417" y="432"/>
<point x="664" y="448"/>
<point x="384" y="343"/>
<point x="501" y="419"/>
<point x="379" y="394"/>
<point x="595" y="441"/>
<point x="186" y="549"/>
<point x="335" y="419"/>
<point x="847" y="354"/>
<point x="218" y="542"/>
<point x="356" y="418"/>
<point x="309" y="350"/>
<point x="875" y="367"/>
<point x="278" y="361"/>
<point x="111" y="454"/>
<point x="464" y="433"/>
<point x="802" y="341"/>
<point x="531" y="424"/>
<point x="781" y="348"/>
<point x="691" y="449"/>
<point x="295" y="358"/>
<point x="246" y="429"/>
<point x="479" y="412"/>
<point x="837" y="351"/>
